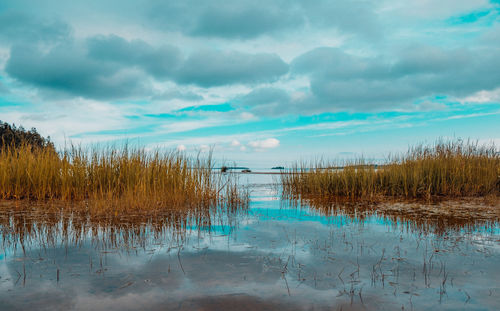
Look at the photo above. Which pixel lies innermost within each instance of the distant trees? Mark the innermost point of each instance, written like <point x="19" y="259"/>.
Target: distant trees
<point x="12" y="136"/>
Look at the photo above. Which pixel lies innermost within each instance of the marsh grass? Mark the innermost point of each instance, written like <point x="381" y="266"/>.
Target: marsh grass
<point x="112" y="180"/>
<point x="446" y="169"/>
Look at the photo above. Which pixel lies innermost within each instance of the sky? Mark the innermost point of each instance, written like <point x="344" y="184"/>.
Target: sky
<point x="261" y="83"/>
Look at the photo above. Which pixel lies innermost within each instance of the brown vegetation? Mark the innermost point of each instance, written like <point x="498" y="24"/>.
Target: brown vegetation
<point x="447" y="169"/>
<point x="115" y="179"/>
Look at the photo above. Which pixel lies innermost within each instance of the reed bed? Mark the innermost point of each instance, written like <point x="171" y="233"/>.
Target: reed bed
<point x="446" y="169"/>
<point x="110" y="179"/>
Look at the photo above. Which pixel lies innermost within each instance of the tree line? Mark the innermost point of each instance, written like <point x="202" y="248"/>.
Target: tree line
<point x="13" y="137"/>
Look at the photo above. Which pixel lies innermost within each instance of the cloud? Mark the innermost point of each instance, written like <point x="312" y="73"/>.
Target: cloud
<point x="215" y="68"/>
<point x="3" y="89"/>
<point x="160" y="62"/>
<point x="352" y="17"/>
<point x="431" y="60"/>
<point x="241" y="20"/>
<point x="245" y="115"/>
<point x="268" y="101"/>
<point x="430" y="106"/>
<point x="181" y="148"/>
<point x="204" y="148"/>
<point x="178" y="94"/>
<point x="265" y="96"/>
<point x="249" y="19"/>
<point x="67" y="68"/>
<point x="68" y="119"/>
<point x="268" y="143"/>
<point x="233" y="20"/>
<point x="18" y="27"/>
<point x="484" y="97"/>
<point x="404" y="81"/>
<point x="339" y="80"/>
<point x="110" y="67"/>
<point x="495" y="141"/>
<point x="333" y="62"/>
<point x="244" y="61"/>
<point x="361" y="94"/>
<point x="491" y="36"/>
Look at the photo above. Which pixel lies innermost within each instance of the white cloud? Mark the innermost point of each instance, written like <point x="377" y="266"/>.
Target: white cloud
<point x="264" y="144"/>
<point x="247" y="116"/>
<point x="489" y="142"/>
<point x="57" y="119"/>
<point x="184" y="126"/>
<point x="204" y="148"/>
<point x="235" y="143"/>
<point x="181" y="148"/>
<point x="484" y="97"/>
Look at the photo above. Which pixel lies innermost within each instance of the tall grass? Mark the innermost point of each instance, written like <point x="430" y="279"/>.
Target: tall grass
<point x="115" y="178"/>
<point x="449" y="169"/>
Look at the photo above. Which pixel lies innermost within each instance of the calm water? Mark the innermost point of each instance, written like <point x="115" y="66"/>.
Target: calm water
<point x="273" y="256"/>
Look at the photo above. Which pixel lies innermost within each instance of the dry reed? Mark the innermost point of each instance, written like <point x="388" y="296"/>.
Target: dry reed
<point x="445" y="169"/>
<point x="109" y="178"/>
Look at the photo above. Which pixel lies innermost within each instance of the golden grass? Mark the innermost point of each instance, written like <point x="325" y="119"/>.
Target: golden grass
<point x="446" y="169"/>
<point x="116" y="179"/>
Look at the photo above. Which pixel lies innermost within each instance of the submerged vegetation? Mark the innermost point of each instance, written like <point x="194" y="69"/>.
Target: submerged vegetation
<point x="446" y="169"/>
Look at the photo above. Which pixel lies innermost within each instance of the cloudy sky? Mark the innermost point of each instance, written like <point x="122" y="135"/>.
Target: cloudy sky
<point x="263" y="82"/>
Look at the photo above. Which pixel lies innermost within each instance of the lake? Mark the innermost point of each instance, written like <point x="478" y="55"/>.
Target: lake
<point x="274" y="255"/>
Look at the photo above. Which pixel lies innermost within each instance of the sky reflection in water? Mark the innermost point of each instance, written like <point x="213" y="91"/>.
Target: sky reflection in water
<point x="270" y="257"/>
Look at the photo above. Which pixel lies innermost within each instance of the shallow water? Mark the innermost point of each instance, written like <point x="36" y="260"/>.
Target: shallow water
<point x="273" y="256"/>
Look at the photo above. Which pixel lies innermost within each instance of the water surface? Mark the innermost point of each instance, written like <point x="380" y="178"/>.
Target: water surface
<point x="276" y="255"/>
